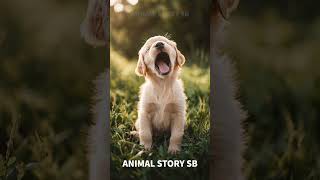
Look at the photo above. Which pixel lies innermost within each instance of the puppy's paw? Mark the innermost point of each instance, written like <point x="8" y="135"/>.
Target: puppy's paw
<point x="135" y="134"/>
<point x="147" y="145"/>
<point x="174" y="149"/>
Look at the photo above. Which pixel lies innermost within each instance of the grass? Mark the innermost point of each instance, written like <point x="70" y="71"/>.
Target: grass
<point x="124" y="97"/>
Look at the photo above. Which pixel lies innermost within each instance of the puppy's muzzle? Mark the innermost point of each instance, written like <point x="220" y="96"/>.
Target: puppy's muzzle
<point x="159" y="45"/>
<point x="162" y="63"/>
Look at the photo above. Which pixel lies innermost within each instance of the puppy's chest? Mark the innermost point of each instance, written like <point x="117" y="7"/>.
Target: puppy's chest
<point x="161" y="111"/>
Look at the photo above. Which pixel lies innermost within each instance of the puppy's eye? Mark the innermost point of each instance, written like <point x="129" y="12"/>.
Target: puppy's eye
<point x="148" y="48"/>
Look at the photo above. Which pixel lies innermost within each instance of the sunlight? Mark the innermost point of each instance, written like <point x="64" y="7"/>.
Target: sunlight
<point x="113" y="2"/>
<point x="133" y="2"/>
<point x="118" y="7"/>
<point x="121" y="6"/>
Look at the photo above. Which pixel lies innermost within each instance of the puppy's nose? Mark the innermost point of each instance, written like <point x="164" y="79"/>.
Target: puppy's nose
<point x="159" y="45"/>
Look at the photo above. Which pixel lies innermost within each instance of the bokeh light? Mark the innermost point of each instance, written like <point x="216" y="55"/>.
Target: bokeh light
<point x="133" y="2"/>
<point x="118" y="7"/>
<point x="113" y="2"/>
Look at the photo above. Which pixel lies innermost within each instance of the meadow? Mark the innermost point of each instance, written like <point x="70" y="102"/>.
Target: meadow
<point x="124" y="97"/>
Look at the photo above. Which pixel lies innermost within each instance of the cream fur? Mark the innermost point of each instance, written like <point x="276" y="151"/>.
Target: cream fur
<point x="227" y="141"/>
<point x="162" y="104"/>
<point x="95" y="32"/>
<point x="92" y="27"/>
<point x="99" y="167"/>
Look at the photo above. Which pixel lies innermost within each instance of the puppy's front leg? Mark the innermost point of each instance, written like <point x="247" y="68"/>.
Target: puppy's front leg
<point x="177" y="129"/>
<point x="145" y="130"/>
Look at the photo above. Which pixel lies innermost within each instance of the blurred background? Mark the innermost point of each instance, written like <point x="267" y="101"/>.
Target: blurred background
<point x="46" y="72"/>
<point x="186" y="22"/>
<point x="275" y="45"/>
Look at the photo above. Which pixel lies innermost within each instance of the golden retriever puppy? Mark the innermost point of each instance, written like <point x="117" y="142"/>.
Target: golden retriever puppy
<point x="227" y="137"/>
<point x="92" y="28"/>
<point x="162" y="104"/>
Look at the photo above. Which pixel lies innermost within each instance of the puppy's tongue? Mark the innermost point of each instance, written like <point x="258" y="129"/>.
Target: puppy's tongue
<point x="163" y="67"/>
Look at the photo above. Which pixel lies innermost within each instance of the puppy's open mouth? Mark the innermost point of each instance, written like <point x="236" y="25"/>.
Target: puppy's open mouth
<point x="163" y="63"/>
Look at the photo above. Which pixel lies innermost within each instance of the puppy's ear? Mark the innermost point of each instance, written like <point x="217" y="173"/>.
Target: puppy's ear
<point x="180" y="58"/>
<point x="227" y="6"/>
<point x="141" y="67"/>
<point x="92" y="28"/>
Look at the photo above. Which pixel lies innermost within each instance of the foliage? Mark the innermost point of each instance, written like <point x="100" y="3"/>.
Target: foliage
<point x="186" y="21"/>
<point x="46" y="74"/>
<point x="278" y="64"/>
